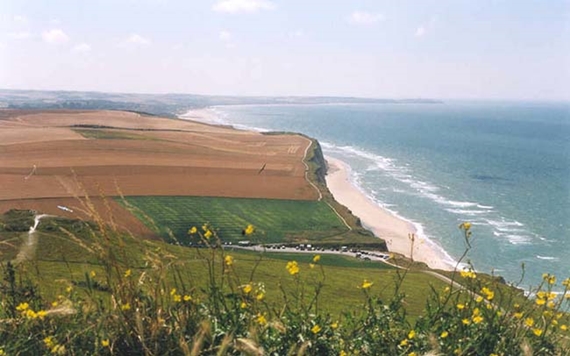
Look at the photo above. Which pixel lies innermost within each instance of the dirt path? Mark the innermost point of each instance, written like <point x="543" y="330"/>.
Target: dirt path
<point x="28" y="247"/>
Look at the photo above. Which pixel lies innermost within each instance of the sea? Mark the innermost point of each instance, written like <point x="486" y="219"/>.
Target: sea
<point x="502" y="166"/>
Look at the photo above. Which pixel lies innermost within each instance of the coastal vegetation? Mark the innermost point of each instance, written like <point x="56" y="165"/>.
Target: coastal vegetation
<point x="121" y="295"/>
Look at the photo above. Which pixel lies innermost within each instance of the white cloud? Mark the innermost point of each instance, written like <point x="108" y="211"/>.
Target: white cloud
<point x="82" y="48"/>
<point x="365" y="18"/>
<point x="225" y="36"/>
<point x="420" y="31"/>
<point x="23" y="35"/>
<point x="138" y="40"/>
<point x="55" y="36"/>
<point x="237" y="6"/>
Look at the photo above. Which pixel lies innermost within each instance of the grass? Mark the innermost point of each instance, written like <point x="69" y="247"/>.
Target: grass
<point x="326" y="259"/>
<point x="275" y="220"/>
<point x="101" y="134"/>
<point x="64" y="256"/>
<point x="94" y="290"/>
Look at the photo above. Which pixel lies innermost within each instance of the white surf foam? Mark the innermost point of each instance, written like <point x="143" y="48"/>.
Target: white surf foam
<point x="467" y="212"/>
<point x="548" y="258"/>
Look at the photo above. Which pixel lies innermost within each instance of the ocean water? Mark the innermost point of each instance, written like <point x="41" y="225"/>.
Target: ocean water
<point x="503" y="166"/>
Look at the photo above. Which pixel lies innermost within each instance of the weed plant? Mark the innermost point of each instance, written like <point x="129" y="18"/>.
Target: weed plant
<point x="123" y="310"/>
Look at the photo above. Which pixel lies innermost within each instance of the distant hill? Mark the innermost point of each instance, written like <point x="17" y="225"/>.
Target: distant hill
<point x="164" y="104"/>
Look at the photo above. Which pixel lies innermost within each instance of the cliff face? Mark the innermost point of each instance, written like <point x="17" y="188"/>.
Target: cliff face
<point x="318" y="160"/>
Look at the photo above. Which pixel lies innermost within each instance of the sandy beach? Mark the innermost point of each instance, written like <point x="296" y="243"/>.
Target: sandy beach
<point x="395" y="231"/>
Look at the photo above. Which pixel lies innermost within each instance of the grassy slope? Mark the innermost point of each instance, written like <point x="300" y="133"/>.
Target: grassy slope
<point x="275" y="220"/>
<point x="63" y="259"/>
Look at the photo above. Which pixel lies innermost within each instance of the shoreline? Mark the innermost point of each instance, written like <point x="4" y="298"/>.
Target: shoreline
<point x="383" y="223"/>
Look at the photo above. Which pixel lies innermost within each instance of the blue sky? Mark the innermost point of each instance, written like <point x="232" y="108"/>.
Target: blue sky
<point x="389" y="49"/>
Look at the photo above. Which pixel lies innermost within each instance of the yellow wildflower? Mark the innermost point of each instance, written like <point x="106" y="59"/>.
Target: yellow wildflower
<point x="563" y="327"/>
<point x="30" y="314"/>
<point x="41" y="314"/>
<point x="22" y="307"/>
<point x="488" y="293"/>
<point x="476" y="312"/>
<point x="477" y="319"/>
<point x="229" y="260"/>
<point x="316" y="258"/>
<point x="2" y="353"/>
<point x="243" y="305"/>
<point x="342" y="353"/>
<point x="292" y="267"/>
<point x="566" y="283"/>
<point x="128" y="273"/>
<point x="261" y="319"/>
<point x="412" y="354"/>
<point x="249" y="230"/>
<point x="540" y="302"/>
<point x="208" y="234"/>
<point x="126" y="307"/>
<point x="177" y="298"/>
<point x="460" y="306"/>
<point x="518" y="315"/>
<point x="479" y="299"/>
<point x="173" y="291"/>
<point x="466" y="321"/>
<point x="465" y="226"/>
<point x="58" y="349"/>
<point x="315" y="329"/>
<point x="192" y="230"/>
<point x="334" y="325"/>
<point x="411" y="334"/>
<point x="187" y="298"/>
<point x="311" y="265"/>
<point x="444" y="334"/>
<point x="105" y="343"/>
<point x="468" y="274"/>
<point x="48" y="341"/>
<point x="69" y="289"/>
<point x="529" y="322"/>
<point x="366" y="284"/>
<point x="54" y="303"/>
<point x="404" y="342"/>
<point x="260" y="296"/>
<point x="537" y="332"/>
<point x="247" y="288"/>
<point x="92" y="274"/>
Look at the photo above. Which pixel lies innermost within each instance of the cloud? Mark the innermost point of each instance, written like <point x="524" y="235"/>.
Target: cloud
<point x="82" y="48"/>
<point x="420" y="31"/>
<point x="22" y="35"/>
<point x="138" y="40"/>
<point x="55" y="36"/>
<point x="365" y="18"/>
<point x="237" y="6"/>
<point x="225" y="36"/>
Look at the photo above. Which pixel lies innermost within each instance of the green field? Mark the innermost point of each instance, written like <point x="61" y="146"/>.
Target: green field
<point x="275" y="220"/>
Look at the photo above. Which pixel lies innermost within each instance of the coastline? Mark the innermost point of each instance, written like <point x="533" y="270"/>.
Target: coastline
<point x="383" y="223"/>
<point x="380" y="221"/>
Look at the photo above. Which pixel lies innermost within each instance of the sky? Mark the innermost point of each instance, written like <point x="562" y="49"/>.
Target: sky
<point x="442" y="49"/>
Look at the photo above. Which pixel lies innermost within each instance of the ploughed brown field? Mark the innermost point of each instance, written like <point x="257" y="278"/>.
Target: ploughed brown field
<point x="48" y="158"/>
